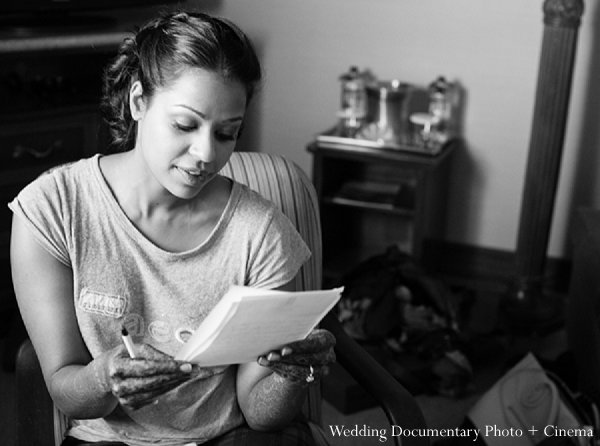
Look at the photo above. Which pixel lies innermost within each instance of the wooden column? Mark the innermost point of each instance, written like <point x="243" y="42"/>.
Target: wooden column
<point x="528" y="306"/>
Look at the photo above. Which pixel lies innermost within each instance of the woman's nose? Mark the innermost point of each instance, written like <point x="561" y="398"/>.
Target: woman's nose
<point x="203" y="147"/>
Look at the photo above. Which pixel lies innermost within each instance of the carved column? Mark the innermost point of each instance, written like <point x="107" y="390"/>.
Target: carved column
<point x="528" y="306"/>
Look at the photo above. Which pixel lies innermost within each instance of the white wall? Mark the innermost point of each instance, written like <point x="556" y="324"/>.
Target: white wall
<point x="491" y="47"/>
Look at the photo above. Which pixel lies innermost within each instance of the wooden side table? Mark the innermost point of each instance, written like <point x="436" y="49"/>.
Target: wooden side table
<point x="373" y="198"/>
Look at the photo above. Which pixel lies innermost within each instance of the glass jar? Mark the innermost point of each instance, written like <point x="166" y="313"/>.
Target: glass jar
<point x="440" y="106"/>
<point x="353" y="101"/>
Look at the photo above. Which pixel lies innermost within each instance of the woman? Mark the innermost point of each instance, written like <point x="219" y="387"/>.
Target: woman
<point x="150" y="238"/>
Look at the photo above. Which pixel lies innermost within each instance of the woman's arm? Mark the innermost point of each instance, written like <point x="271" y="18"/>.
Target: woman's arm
<point x="268" y="401"/>
<point x="44" y="291"/>
<point x="272" y="390"/>
<point x="80" y="387"/>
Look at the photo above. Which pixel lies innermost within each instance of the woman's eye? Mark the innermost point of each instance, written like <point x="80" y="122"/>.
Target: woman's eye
<point x="227" y="136"/>
<point x="184" y="127"/>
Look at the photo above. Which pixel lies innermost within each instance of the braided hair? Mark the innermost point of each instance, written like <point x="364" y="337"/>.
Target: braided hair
<point x="161" y="50"/>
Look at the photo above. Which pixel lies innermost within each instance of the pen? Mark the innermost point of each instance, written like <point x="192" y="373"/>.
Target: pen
<point x="128" y="342"/>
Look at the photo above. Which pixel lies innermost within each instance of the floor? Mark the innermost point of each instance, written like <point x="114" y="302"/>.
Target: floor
<point x="440" y="412"/>
<point x="497" y="353"/>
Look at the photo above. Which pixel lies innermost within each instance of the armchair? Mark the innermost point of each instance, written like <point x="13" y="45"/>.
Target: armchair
<point x="281" y="181"/>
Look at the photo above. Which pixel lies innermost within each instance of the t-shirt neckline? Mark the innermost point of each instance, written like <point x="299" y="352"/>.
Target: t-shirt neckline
<point x="133" y="230"/>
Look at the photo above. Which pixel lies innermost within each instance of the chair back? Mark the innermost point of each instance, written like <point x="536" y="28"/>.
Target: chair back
<point x="281" y="181"/>
<point x="285" y="184"/>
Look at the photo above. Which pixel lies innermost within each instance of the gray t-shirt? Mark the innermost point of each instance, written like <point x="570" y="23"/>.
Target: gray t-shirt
<point x="121" y="277"/>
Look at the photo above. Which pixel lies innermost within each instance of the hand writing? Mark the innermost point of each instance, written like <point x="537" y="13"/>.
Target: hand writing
<point x="303" y="361"/>
<point x="137" y="382"/>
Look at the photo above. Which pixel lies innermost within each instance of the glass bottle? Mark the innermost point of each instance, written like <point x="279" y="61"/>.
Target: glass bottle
<point x="353" y="101"/>
<point x="439" y="103"/>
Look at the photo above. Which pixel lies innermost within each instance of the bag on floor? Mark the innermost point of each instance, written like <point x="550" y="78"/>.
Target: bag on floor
<point x="409" y="319"/>
<point x="530" y="406"/>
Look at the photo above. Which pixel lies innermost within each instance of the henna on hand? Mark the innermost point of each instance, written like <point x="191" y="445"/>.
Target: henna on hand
<point x="304" y="361"/>
<point x="138" y="381"/>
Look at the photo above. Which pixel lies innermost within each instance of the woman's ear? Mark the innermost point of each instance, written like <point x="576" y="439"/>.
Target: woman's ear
<point x="137" y="104"/>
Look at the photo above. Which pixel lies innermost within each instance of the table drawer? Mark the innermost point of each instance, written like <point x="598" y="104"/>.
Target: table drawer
<point x="47" y="142"/>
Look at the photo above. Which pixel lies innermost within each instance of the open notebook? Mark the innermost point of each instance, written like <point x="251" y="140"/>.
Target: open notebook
<point x="248" y="322"/>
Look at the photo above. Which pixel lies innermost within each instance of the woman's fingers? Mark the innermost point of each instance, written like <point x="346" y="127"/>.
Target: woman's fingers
<point x="128" y="386"/>
<point x="148" y="362"/>
<point x="137" y="399"/>
<point x="317" y="340"/>
<point x="316" y="349"/>
<point x="319" y="358"/>
<point x="299" y="374"/>
<point x="299" y="367"/>
<point x="148" y="375"/>
<point x="126" y="367"/>
<point x="146" y="351"/>
<point x="314" y="359"/>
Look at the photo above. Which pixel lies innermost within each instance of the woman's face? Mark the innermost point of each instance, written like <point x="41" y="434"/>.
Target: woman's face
<point x="188" y="130"/>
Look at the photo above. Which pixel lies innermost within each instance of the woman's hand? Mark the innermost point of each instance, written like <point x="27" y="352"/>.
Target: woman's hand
<point x="303" y="361"/>
<point x="139" y="381"/>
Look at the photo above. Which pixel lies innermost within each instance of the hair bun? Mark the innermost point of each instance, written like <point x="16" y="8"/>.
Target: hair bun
<point x="118" y="77"/>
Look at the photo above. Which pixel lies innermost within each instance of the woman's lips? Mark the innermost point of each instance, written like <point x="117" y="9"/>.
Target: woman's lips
<point x="193" y="176"/>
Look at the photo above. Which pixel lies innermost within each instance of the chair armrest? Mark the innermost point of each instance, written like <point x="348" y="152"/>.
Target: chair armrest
<point x="398" y="404"/>
<point x="35" y="415"/>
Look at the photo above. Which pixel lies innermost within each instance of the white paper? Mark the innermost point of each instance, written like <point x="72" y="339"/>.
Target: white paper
<point x="248" y="322"/>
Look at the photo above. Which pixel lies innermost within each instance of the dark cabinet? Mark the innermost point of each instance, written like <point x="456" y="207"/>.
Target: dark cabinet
<point x="50" y="87"/>
<point x="373" y="198"/>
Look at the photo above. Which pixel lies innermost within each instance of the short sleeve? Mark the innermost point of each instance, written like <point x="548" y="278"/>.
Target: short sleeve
<point x="39" y="205"/>
<point x="280" y="253"/>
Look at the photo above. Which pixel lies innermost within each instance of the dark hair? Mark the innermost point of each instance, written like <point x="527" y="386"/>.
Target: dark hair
<point x="158" y="53"/>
